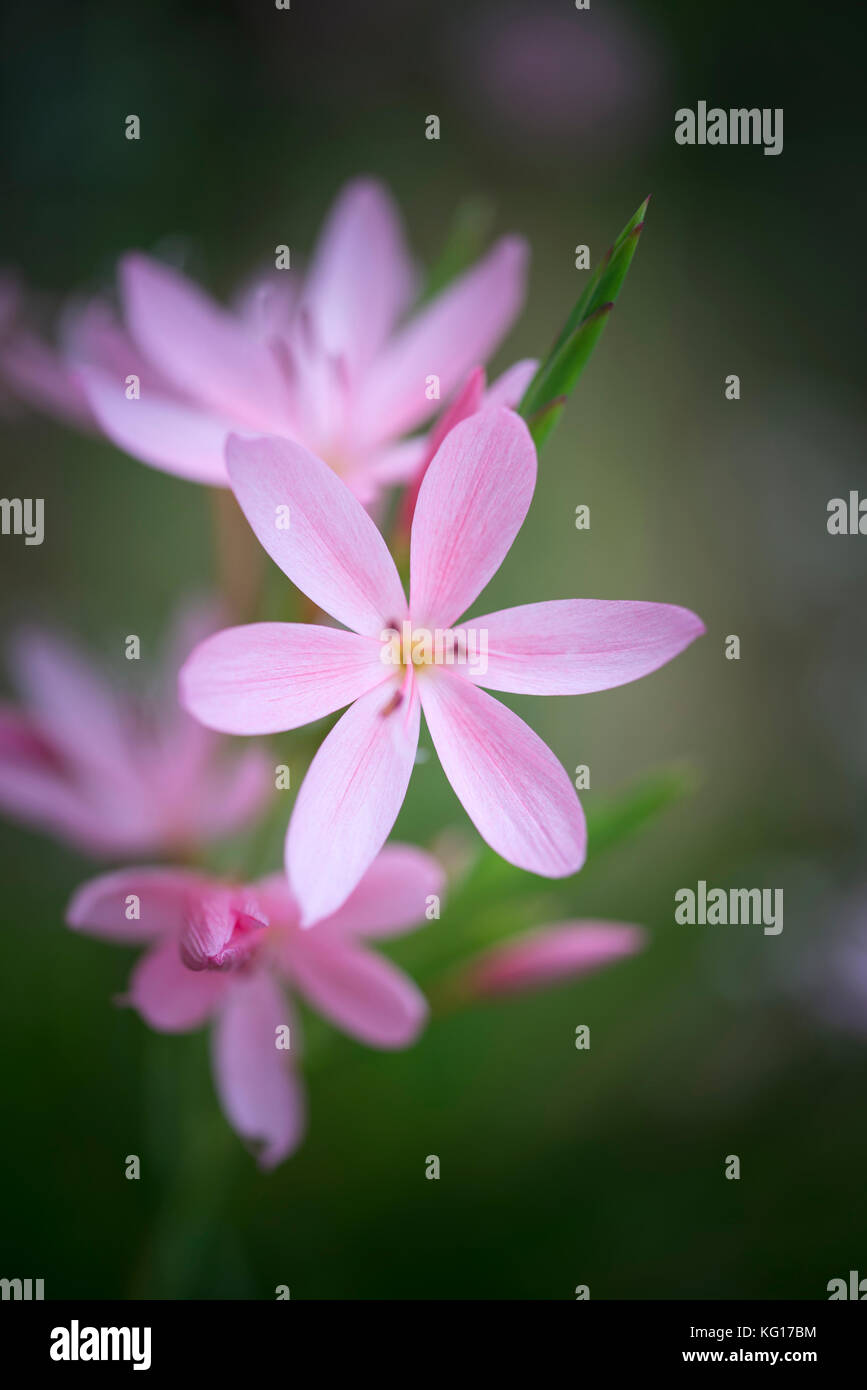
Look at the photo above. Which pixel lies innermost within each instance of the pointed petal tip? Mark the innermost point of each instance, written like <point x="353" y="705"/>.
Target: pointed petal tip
<point x="512" y="248"/>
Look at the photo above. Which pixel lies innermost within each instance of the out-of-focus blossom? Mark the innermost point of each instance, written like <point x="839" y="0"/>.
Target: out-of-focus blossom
<point x="334" y="363"/>
<point x="89" y="337"/>
<point x="110" y="774"/>
<point x="548" y="955"/>
<point x="221" y="953"/>
<point x="829" y="975"/>
<point x="270" y="676"/>
<point x="550" y="73"/>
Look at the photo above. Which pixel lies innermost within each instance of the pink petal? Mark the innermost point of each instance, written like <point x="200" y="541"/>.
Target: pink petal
<point x="222" y="928"/>
<point x="361" y="993"/>
<point x="234" y="794"/>
<point x="459" y="329"/>
<point x="465" y="403"/>
<point x="34" y="782"/>
<point x="394" y="463"/>
<point x="393" y="895"/>
<point x="512" y="787"/>
<point x="572" y="646"/>
<point x="171" y="998"/>
<point x="258" y="1088"/>
<point x="349" y="800"/>
<point x="508" y="390"/>
<point x="565" y="950"/>
<point x="470" y="508"/>
<point x="93" y="336"/>
<point x="99" y="907"/>
<point x="206" y="351"/>
<point x="75" y="709"/>
<point x="331" y="549"/>
<point x="179" y="438"/>
<point x="39" y="375"/>
<point x="268" y="677"/>
<point x="265" y="303"/>
<point x="101" y="820"/>
<point x="361" y="279"/>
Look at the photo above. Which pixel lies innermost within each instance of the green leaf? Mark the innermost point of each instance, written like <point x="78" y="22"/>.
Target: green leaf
<point x="546" y="396"/>
<point x="621" y="816"/>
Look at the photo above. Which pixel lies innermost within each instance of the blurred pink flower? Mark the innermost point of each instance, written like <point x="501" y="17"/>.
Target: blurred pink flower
<point x="272" y="676"/>
<point x="220" y="953"/>
<point x="547" y="955"/>
<point x="112" y="775"/>
<point x="331" y="364"/>
<point x="46" y="375"/>
<point x="551" y="75"/>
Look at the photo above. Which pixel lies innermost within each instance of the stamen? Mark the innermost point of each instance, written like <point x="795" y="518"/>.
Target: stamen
<point x="394" y="703"/>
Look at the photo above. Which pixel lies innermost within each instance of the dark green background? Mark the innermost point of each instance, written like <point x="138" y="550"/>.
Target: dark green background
<point x="558" y="1167"/>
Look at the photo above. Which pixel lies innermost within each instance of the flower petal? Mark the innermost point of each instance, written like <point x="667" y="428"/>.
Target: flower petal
<point x="361" y="279"/>
<point x="509" y="388"/>
<point x="206" y="351"/>
<point x="232" y="794"/>
<point x="360" y="992"/>
<point x="546" y="955"/>
<point x="169" y="997"/>
<point x="75" y="709"/>
<point x="460" y="328"/>
<point x="177" y="437"/>
<point x="331" y="549"/>
<point x="261" y="1094"/>
<point x="512" y="787"/>
<point x="573" y="646"/>
<point x="392" y="896"/>
<point x="349" y="800"/>
<point x="40" y="376"/>
<point x="35" y="787"/>
<point x="100" y="907"/>
<point x="471" y="505"/>
<point x="267" y="677"/>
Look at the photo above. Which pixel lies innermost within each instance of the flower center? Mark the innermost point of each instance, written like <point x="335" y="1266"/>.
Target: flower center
<point x="407" y="647"/>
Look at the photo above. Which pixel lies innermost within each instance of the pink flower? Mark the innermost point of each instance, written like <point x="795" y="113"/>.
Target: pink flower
<point x="547" y="955"/>
<point x="221" y="953"/>
<point x="331" y="365"/>
<point x="273" y="676"/>
<point x="472" y="397"/>
<point x="111" y="775"/>
<point x="47" y="376"/>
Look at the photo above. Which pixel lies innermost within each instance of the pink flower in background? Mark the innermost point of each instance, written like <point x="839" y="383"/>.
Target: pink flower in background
<point x="333" y="364"/>
<point x="112" y="775"/>
<point x="268" y="677"/>
<point x="548" y="955"/>
<point x="46" y="376"/>
<point x="554" y="77"/>
<point x="221" y="953"/>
